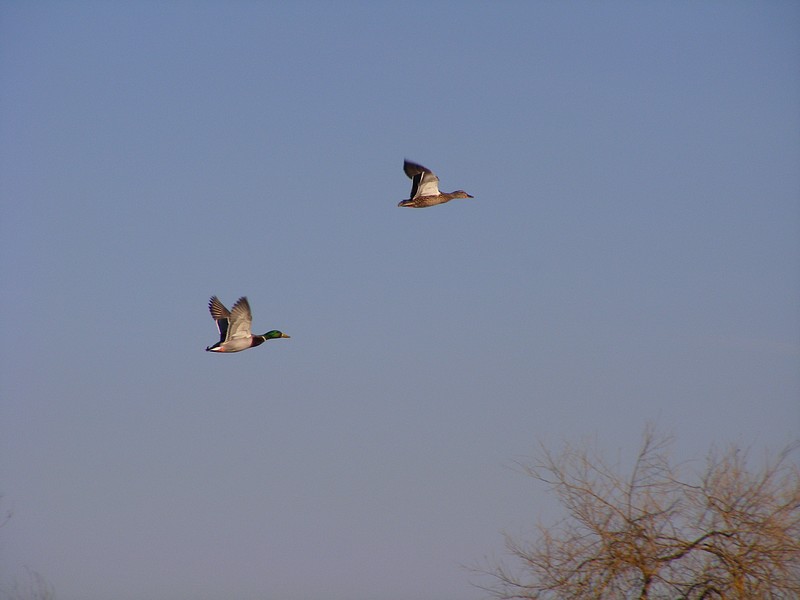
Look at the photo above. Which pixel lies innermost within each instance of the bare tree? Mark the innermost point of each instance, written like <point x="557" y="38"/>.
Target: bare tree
<point x="729" y="533"/>
<point x="31" y="587"/>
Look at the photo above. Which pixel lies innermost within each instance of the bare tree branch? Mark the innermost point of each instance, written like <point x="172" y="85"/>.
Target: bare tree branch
<point x="729" y="532"/>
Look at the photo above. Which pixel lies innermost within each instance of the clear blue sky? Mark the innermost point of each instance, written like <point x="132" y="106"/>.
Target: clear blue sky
<point x="632" y="255"/>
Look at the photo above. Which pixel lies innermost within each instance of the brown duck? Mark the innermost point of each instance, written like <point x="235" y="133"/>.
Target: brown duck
<point x="425" y="188"/>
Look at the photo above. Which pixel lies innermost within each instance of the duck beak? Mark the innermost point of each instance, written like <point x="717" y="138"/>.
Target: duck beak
<point x="283" y="335"/>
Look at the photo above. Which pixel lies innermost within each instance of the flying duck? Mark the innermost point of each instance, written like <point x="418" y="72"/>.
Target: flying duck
<point x="425" y="188"/>
<point x="234" y="327"/>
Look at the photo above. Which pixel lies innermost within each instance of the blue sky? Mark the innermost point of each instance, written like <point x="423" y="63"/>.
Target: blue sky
<point x="631" y="255"/>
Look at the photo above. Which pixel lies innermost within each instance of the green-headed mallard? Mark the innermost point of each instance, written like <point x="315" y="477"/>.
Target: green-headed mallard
<point x="425" y="188"/>
<point x="234" y="327"/>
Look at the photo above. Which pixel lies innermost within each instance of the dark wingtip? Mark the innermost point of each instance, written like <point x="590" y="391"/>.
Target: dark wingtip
<point x="411" y="168"/>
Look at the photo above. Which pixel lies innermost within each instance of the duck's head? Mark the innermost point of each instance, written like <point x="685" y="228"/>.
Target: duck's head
<point x="461" y="194"/>
<point x="274" y="334"/>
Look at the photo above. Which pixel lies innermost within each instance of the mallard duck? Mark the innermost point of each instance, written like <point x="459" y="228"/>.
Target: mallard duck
<point x="234" y="327"/>
<point x="425" y="188"/>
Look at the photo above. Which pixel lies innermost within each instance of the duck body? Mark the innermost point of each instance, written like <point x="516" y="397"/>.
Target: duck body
<point x="425" y="188"/>
<point x="234" y="327"/>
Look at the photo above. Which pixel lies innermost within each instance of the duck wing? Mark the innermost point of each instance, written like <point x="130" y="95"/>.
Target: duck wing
<point x="423" y="181"/>
<point x="221" y="315"/>
<point x="240" y="320"/>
